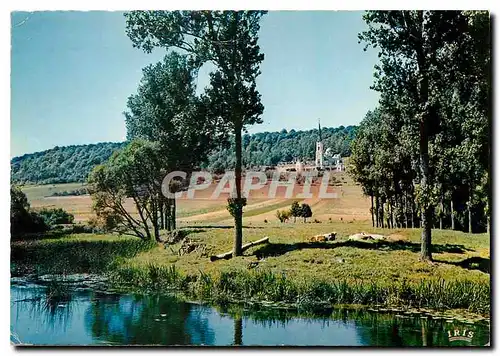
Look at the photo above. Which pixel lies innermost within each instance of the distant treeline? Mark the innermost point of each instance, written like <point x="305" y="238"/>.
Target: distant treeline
<point x="74" y="163"/>
<point x="61" y="164"/>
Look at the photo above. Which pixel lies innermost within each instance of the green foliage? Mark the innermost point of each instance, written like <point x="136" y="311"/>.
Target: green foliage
<point x="56" y="216"/>
<point x="427" y="144"/>
<point x="22" y="220"/>
<point x="73" y="255"/>
<point x="269" y="148"/>
<point x="265" y="286"/>
<point x="283" y="215"/>
<point x="167" y="110"/>
<point x="235" y="205"/>
<point x="134" y="172"/>
<point x="305" y="211"/>
<point x="295" y="210"/>
<point x="61" y="164"/>
<point x="74" y="192"/>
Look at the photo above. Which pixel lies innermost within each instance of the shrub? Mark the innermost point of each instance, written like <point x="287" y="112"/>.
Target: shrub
<point x="56" y="216"/>
<point x="75" y="192"/>
<point x="306" y="211"/>
<point x="22" y="220"/>
<point x="283" y="215"/>
<point x="295" y="210"/>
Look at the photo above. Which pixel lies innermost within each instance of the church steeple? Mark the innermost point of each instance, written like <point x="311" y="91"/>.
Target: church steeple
<point x="319" y="130"/>
<point x="319" y="149"/>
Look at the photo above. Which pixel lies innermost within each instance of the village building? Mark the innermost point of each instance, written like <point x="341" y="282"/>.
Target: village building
<point x="324" y="160"/>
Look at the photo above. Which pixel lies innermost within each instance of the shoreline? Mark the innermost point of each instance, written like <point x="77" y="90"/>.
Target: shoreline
<point x="95" y="282"/>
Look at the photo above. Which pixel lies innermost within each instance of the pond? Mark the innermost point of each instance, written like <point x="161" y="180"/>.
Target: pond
<point x="54" y="316"/>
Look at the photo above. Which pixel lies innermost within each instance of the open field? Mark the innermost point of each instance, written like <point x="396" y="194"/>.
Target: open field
<point x="290" y="252"/>
<point x="350" y="204"/>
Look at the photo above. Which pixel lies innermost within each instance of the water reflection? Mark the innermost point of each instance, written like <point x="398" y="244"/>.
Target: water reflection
<point x="146" y="320"/>
<point x="43" y="317"/>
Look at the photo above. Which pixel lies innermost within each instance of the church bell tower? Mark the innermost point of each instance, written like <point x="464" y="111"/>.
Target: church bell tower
<point x="319" y="150"/>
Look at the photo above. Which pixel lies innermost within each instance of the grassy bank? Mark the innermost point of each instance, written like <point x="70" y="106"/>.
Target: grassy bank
<point x="288" y="271"/>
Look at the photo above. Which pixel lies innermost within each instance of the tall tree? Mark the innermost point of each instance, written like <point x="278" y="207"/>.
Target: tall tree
<point x="227" y="39"/>
<point x="166" y="110"/>
<point x="136" y="173"/>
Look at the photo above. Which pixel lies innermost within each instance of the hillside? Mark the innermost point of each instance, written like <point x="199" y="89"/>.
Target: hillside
<point x="61" y="164"/>
<point x="73" y="163"/>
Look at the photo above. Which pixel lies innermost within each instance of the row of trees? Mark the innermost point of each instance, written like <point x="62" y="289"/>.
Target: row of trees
<point x="423" y="155"/>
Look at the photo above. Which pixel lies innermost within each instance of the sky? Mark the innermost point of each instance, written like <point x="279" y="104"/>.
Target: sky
<point x="72" y="72"/>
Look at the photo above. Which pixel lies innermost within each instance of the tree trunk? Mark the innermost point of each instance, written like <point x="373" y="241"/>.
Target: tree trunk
<point x="168" y="225"/>
<point x="452" y="213"/>
<point x="412" y="208"/>
<point x="382" y="215"/>
<point x="238" y="214"/>
<point x="405" y="209"/>
<point x="373" y="220"/>
<point x="470" y="209"/>
<point x="154" y="221"/>
<point x="425" y="252"/>
<point x="377" y="212"/>
<point x="172" y="214"/>
<point x="162" y="216"/>
<point x="228" y="255"/>
<point x="391" y="207"/>
<point x="238" y="331"/>
<point x="441" y="204"/>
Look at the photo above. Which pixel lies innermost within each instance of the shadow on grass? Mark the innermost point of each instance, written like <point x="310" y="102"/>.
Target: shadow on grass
<point x="280" y="248"/>
<point x="472" y="263"/>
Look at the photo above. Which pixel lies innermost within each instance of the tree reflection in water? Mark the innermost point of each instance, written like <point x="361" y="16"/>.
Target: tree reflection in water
<point x="161" y="320"/>
<point x="52" y="305"/>
<point x="147" y="320"/>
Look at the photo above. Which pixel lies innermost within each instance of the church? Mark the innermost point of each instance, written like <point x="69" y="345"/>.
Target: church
<point x="324" y="159"/>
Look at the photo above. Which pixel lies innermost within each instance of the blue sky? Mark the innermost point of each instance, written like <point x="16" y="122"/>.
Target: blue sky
<point x="71" y="74"/>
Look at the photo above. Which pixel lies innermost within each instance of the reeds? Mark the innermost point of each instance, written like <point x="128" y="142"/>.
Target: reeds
<point x="73" y="256"/>
<point x="269" y="288"/>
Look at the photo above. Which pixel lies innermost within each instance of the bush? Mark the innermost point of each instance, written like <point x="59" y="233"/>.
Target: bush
<point x="75" y="192"/>
<point x="105" y="222"/>
<point x="56" y="216"/>
<point x="283" y="215"/>
<point x="22" y="220"/>
<point x="295" y="210"/>
<point x="306" y="211"/>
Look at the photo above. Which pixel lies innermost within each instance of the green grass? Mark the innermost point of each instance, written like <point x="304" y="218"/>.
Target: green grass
<point x="289" y="270"/>
<point x="291" y="253"/>
<point x="84" y="253"/>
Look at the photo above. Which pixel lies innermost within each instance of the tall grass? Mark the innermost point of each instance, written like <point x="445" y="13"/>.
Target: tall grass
<point x="268" y="288"/>
<point x="73" y="256"/>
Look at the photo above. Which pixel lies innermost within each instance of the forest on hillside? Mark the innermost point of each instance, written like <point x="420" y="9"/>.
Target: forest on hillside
<point x="74" y="163"/>
<point x="61" y="164"/>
